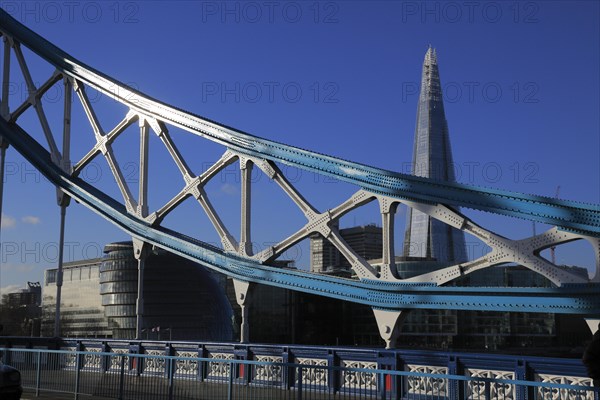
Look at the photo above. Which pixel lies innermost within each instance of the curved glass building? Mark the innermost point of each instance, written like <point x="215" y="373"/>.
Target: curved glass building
<point x="182" y="300"/>
<point x="118" y="288"/>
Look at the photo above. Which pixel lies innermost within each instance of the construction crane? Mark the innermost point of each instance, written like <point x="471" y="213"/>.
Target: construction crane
<point x="553" y="248"/>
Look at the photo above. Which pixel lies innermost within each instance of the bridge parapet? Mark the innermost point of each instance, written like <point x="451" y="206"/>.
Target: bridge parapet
<point x="331" y="370"/>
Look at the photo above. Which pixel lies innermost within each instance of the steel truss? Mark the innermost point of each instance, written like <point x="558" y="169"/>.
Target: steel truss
<point x="382" y="289"/>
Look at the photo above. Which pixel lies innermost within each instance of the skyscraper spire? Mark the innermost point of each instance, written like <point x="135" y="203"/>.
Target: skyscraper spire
<point x="432" y="158"/>
<point x="430" y="56"/>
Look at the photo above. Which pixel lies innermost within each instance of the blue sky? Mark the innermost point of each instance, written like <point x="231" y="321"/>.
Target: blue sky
<point x="520" y="80"/>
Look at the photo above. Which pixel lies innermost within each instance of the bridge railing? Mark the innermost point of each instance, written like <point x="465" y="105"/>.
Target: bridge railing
<point x="127" y="375"/>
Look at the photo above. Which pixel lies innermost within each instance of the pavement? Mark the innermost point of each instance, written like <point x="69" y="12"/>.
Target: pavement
<point x="30" y="395"/>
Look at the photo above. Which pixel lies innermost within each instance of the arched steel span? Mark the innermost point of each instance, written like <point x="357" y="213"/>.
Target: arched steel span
<point x="571" y="215"/>
<point x="381" y="290"/>
<point x="573" y="298"/>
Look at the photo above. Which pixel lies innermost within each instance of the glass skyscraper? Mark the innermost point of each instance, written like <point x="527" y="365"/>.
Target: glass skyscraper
<point x="427" y="237"/>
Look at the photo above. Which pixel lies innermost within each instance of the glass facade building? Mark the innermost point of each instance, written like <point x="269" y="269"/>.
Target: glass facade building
<point x="427" y="237"/>
<point x="366" y="241"/>
<point x="20" y="312"/>
<point x="81" y="310"/>
<point x="182" y="300"/>
<point x="185" y="300"/>
<point x="118" y="288"/>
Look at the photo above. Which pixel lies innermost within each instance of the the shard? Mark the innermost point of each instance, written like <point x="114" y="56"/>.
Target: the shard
<point x="427" y="237"/>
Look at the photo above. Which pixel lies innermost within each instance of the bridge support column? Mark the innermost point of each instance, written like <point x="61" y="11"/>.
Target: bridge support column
<point x="593" y="324"/>
<point x="388" y="262"/>
<point x="63" y="202"/>
<point x="245" y="231"/>
<point x="388" y="323"/>
<point x="3" y="146"/>
<point x="140" y="251"/>
<point x="63" y="199"/>
<point x="243" y="296"/>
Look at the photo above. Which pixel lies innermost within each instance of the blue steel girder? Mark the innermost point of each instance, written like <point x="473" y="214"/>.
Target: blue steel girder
<point x="573" y="299"/>
<point x="390" y="295"/>
<point x="570" y="215"/>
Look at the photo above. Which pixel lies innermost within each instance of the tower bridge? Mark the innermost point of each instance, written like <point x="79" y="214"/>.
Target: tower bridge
<point x="389" y="295"/>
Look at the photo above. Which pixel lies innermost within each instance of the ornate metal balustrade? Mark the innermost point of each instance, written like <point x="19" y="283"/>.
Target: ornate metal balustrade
<point x="483" y="389"/>
<point x="355" y="379"/>
<point x="345" y="370"/>
<point x="422" y="383"/>
<point x="219" y="369"/>
<point x="564" y="393"/>
<point x="354" y="376"/>
<point x="269" y="369"/>
<point x="186" y="365"/>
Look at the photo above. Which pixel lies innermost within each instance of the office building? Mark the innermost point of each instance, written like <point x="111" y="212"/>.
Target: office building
<point x="20" y="311"/>
<point x="182" y="300"/>
<point x="81" y="310"/>
<point x="426" y="237"/>
<point x="366" y="241"/>
<point x="30" y="296"/>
